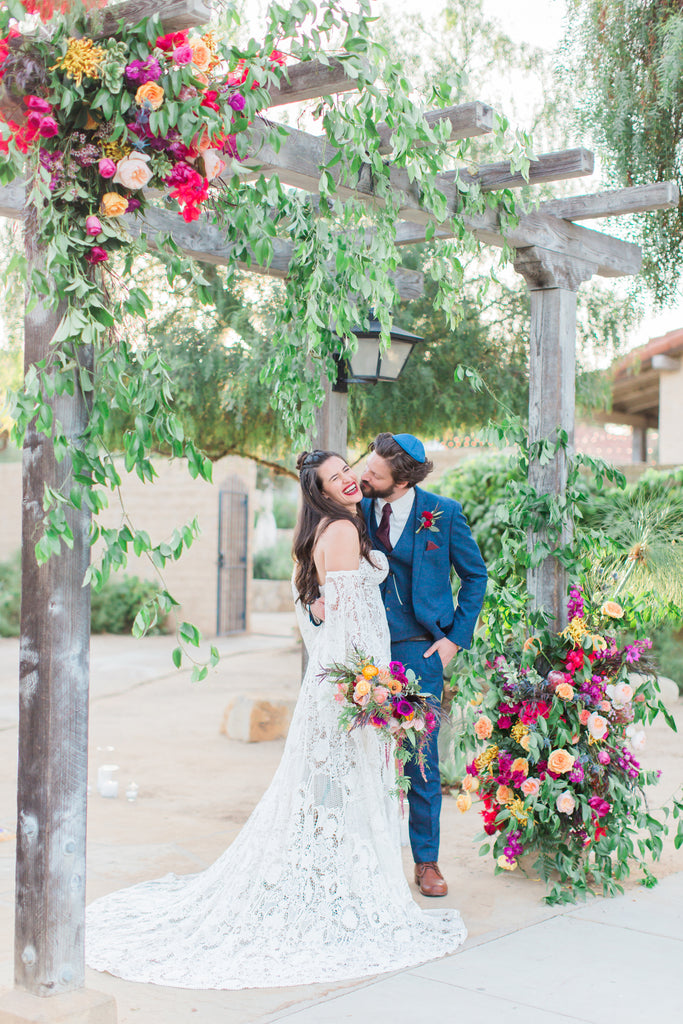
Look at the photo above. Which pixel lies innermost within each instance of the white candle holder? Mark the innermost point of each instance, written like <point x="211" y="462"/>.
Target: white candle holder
<point x="107" y="784"/>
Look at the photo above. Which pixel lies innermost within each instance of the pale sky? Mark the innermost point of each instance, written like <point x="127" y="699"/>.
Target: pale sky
<point x="541" y="23"/>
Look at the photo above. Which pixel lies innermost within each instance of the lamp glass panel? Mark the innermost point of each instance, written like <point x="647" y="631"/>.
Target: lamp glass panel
<point x="363" y="362"/>
<point x="393" y="360"/>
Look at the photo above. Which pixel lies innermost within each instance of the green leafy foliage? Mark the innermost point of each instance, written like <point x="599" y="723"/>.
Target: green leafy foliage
<point x="625" y="58"/>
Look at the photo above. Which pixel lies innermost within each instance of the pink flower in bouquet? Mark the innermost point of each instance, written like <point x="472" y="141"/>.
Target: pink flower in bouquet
<point x="597" y="726"/>
<point x="584" y="715"/>
<point x="380" y="693"/>
<point x="237" y="101"/>
<point x="340" y="695"/>
<point x="600" y="806"/>
<point x="603" y="757"/>
<point x="106" y="167"/>
<point x="605" y="706"/>
<point x="405" y="709"/>
<point x="531" y="787"/>
<point x="49" y="128"/>
<point x="418" y="724"/>
<point x="93" y="225"/>
<point x="394" y="726"/>
<point x="183" y="54"/>
<point x="483" y="727"/>
<point x="620" y="693"/>
<point x="555" y="678"/>
<point x="430" y="721"/>
<point x="41" y="106"/>
<point x="565" y="802"/>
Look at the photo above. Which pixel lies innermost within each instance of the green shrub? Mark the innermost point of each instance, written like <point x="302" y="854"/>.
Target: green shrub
<point x="10" y="596"/>
<point x="113" y="608"/>
<point x="285" y="509"/>
<point x="274" y="563"/>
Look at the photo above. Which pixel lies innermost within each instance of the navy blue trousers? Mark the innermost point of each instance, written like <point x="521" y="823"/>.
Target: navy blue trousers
<point x="424" y="795"/>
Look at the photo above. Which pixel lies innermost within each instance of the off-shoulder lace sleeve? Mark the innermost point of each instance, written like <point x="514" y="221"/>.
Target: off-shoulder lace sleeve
<point x="354" y="619"/>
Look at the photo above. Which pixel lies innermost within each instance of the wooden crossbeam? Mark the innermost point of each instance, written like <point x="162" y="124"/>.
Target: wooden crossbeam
<point x="300" y="157"/>
<point x="205" y="242"/>
<point x="175" y="15"/>
<point x="662" y="195"/>
<point x="310" y="79"/>
<point x="557" y="166"/>
<point x="626" y="419"/>
<point x="466" y="121"/>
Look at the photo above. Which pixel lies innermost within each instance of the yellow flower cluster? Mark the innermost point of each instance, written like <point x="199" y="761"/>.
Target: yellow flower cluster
<point x="116" y="150"/>
<point x="485" y="758"/>
<point x="211" y="41"/>
<point x="82" y="57"/>
<point x="520" y="812"/>
<point x="518" y="731"/>
<point x="576" y="630"/>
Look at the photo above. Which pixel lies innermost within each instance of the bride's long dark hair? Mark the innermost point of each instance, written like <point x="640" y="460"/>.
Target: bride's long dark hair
<point x="315" y="508"/>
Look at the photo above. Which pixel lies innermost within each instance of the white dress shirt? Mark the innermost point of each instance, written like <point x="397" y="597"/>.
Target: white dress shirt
<point x="400" y="513"/>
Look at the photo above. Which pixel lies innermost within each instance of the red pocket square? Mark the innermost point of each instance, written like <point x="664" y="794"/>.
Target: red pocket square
<point x="431" y="546"/>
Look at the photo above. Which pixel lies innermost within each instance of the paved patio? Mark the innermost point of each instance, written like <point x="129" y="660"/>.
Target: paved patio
<point x="608" y="959"/>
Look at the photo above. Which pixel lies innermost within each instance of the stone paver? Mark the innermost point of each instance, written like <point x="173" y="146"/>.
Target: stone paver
<point x="610" y="959"/>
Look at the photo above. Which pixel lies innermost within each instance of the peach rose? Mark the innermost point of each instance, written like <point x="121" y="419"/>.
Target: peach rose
<point x="584" y="715"/>
<point x="565" y="802"/>
<point x="620" y="693"/>
<point x="612" y="609"/>
<point x="394" y="726"/>
<point x="201" y="54"/>
<point x="463" y="802"/>
<point x="560" y="761"/>
<point x="605" y="706"/>
<point x="150" y="92"/>
<point x="113" y="204"/>
<point x="384" y="676"/>
<point x="361" y="688"/>
<point x="504" y="795"/>
<point x="597" y="726"/>
<point x="520" y="764"/>
<point x="133" y="171"/>
<point x="564" y="691"/>
<point x="507" y="865"/>
<point x="483" y="727"/>
<point x="470" y="784"/>
<point x="525" y="742"/>
<point x="531" y="787"/>
<point x="380" y="693"/>
<point x="418" y="724"/>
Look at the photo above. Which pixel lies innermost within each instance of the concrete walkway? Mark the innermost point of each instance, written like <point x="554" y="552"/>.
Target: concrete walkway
<point x="608" y="959"/>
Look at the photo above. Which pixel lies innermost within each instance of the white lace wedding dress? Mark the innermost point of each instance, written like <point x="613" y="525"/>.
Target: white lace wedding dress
<point x="313" y="887"/>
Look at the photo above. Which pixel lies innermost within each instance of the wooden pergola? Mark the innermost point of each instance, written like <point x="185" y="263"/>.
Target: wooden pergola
<point x="554" y="254"/>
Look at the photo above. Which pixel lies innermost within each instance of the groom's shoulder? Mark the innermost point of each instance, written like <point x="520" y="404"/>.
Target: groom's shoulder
<point x="430" y="500"/>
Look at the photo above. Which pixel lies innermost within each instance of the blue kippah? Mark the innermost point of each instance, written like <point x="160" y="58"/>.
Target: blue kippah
<point x="411" y="446"/>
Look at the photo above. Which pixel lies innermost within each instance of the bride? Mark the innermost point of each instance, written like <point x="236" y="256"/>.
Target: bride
<point x="312" y="889"/>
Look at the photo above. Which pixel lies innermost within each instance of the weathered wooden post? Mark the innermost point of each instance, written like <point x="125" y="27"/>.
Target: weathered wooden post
<point x="53" y="720"/>
<point x="553" y="281"/>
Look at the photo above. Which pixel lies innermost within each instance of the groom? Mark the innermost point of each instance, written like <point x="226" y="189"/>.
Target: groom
<point x="423" y="536"/>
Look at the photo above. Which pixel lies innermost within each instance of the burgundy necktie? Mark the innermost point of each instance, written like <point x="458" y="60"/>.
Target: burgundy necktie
<point x="383" y="528"/>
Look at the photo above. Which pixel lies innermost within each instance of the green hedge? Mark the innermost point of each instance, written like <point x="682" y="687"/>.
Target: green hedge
<point x="113" y="608"/>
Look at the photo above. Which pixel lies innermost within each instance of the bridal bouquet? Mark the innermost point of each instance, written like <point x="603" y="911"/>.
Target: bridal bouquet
<point x="386" y="698"/>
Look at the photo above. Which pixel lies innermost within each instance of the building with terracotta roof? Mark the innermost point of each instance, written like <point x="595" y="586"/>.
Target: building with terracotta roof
<point x="647" y="394"/>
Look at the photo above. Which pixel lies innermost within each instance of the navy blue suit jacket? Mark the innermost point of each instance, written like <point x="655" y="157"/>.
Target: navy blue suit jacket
<point x="433" y="556"/>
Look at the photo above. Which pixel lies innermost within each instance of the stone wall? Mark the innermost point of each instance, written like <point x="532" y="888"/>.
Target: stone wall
<point x="172" y="500"/>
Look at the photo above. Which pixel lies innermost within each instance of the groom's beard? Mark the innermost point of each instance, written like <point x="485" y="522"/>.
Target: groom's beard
<point x="373" y="492"/>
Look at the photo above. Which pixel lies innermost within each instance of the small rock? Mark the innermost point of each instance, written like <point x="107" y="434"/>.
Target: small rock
<point x="256" y="719"/>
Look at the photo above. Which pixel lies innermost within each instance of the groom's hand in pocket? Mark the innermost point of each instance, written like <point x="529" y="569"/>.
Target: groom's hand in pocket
<point x="446" y="648"/>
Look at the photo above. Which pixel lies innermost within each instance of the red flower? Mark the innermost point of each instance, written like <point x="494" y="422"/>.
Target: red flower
<point x="96" y="255"/>
<point x="574" y="661"/>
<point x="278" y="57"/>
<point x="171" y="41"/>
<point x="209" y="100"/>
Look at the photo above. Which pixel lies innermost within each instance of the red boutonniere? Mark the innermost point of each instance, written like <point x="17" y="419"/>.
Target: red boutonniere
<point x="428" y="520"/>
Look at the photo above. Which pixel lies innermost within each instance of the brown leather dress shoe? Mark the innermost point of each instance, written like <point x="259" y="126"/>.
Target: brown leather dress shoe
<point x="429" y="879"/>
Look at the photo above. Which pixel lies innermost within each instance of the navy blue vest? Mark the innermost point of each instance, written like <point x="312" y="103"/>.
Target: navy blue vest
<point x="397" y="587"/>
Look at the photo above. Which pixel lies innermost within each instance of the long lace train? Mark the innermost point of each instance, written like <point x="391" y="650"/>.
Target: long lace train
<point x="313" y="888"/>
